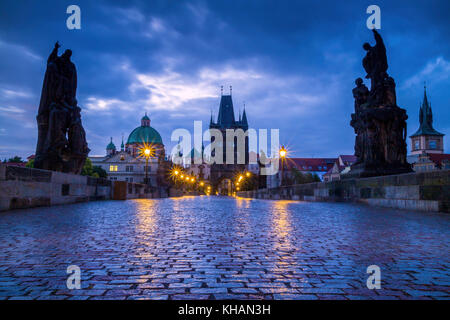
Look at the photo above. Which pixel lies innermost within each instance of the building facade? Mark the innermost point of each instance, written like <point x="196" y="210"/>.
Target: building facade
<point x="313" y="166"/>
<point x="129" y="164"/>
<point x="427" y="144"/>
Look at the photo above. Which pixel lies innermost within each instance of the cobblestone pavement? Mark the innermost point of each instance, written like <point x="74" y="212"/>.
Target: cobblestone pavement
<point x="222" y="248"/>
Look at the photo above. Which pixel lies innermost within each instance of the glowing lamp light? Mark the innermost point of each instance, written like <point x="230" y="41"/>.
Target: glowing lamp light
<point x="247" y="174"/>
<point x="176" y="172"/>
<point x="147" y="152"/>
<point x="283" y="152"/>
<point x="182" y="176"/>
<point x="202" y="183"/>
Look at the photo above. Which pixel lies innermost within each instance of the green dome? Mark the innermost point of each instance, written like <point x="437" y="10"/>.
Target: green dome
<point x="144" y="134"/>
<point x="111" y="146"/>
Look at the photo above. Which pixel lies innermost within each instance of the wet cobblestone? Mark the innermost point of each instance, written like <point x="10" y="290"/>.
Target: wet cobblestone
<point x="223" y="248"/>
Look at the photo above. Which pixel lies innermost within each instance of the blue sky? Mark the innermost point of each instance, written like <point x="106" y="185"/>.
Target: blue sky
<point x="292" y="62"/>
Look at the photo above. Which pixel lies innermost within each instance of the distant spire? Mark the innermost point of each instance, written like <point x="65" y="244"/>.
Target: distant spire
<point x="221" y="90"/>
<point x="231" y="90"/>
<point x="244" y="118"/>
<point x="426" y="117"/>
<point x="122" y="147"/>
<point x="211" y="121"/>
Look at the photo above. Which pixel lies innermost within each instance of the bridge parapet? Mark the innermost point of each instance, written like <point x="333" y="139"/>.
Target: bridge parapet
<point x="424" y="191"/>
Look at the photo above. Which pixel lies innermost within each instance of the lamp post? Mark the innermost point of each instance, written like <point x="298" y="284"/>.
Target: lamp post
<point x="147" y="153"/>
<point x="283" y="153"/>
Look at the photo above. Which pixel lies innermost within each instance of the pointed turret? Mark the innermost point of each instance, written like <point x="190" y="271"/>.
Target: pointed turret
<point x="211" y="121"/>
<point x="122" y="146"/>
<point x="426" y="138"/>
<point x="244" y="119"/>
<point x="426" y="118"/>
<point x="226" y="119"/>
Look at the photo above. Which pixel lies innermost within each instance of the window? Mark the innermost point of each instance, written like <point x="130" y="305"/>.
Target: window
<point x="129" y="168"/>
<point x="112" y="168"/>
<point x="432" y="144"/>
<point x="416" y="145"/>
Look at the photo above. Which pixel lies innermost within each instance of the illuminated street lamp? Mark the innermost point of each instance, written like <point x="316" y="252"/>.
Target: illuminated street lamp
<point x="283" y="153"/>
<point x="248" y="174"/>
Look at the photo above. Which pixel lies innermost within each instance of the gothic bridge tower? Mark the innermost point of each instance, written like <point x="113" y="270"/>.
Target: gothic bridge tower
<point x="223" y="175"/>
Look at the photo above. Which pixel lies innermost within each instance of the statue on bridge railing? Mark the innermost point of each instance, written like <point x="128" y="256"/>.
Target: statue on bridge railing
<point x="61" y="142"/>
<point x="379" y="124"/>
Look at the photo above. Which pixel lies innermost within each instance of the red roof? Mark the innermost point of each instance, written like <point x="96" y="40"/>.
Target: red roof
<point x="438" y="158"/>
<point x="15" y="164"/>
<point x="348" y="159"/>
<point x="310" y="164"/>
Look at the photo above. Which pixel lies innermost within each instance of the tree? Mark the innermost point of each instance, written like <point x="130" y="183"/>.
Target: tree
<point x="30" y="163"/>
<point x="16" y="159"/>
<point x="100" y="172"/>
<point x="87" y="168"/>
<point x="316" y="177"/>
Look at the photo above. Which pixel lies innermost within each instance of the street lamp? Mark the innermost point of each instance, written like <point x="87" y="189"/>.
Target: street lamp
<point x="283" y="153"/>
<point x="147" y="153"/>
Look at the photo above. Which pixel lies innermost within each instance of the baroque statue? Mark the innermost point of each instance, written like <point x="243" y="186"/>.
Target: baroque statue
<point x="61" y="144"/>
<point x="379" y="124"/>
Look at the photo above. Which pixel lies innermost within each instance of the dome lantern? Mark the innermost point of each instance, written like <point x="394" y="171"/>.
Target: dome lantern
<point x="145" y="121"/>
<point x="110" y="148"/>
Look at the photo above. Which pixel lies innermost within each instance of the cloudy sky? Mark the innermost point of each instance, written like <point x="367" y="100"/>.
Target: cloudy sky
<point x="292" y="62"/>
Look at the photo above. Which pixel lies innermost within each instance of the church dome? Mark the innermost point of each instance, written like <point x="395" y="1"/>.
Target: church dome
<point x="111" y="146"/>
<point x="142" y="135"/>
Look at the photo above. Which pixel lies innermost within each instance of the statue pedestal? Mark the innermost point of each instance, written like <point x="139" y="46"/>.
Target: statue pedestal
<point x="380" y="143"/>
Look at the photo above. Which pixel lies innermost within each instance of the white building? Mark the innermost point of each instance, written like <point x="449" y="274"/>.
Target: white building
<point x="127" y="164"/>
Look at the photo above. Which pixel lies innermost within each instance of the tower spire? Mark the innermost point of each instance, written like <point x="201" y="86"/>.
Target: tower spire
<point x="231" y="90"/>
<point x="221" y="90"/>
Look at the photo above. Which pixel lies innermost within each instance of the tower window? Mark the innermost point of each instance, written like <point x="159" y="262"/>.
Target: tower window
<point x="112" y="168"/>
<point x="416" y="145"/>
<point x="433" y="144"/>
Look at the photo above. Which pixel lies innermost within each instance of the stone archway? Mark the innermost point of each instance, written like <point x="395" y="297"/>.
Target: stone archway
<point x="222" y="177"/>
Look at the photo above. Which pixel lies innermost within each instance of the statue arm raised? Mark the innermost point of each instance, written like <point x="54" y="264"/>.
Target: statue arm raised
<point x="378" y="39"/>
<point x="54" y="53"/>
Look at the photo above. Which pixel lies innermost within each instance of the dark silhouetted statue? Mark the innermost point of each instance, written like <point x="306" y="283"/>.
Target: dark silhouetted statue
<point x="61" y="142"/>
<point x="379" y="124"/>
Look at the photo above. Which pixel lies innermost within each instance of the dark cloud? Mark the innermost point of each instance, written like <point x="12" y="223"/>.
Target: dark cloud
<point x="292" y="62"/>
